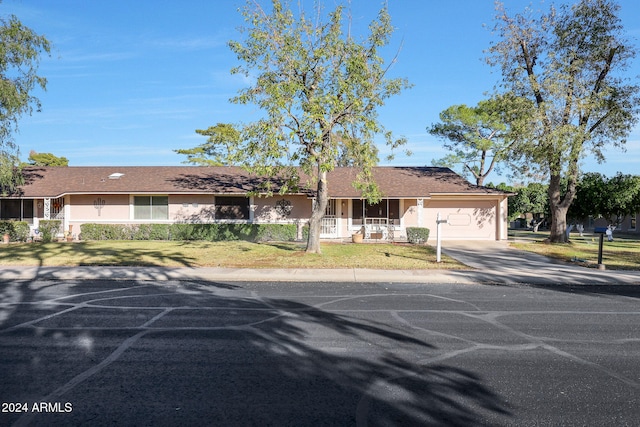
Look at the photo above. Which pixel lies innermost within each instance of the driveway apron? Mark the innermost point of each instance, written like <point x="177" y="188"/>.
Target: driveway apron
<point x="508" y="265"/>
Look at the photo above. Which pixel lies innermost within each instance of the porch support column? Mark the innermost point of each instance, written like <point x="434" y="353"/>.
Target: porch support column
<point x="252" y="209"/>
<point x="502" y="218"/>
<point x="420" y="203"/>
<point x="67" y="213"/>
<point x="35" y="219"/>
<point x="339" y="216"/>
<point x="47" y="208"/>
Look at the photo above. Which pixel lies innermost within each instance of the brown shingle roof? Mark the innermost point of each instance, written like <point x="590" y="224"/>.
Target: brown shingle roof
<point x="394" y="181"/>
<point x="406" y="182"/>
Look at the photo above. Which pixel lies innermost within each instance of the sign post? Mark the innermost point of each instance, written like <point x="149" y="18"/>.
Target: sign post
<point x="601" y="231"/>
<point x="439" y="223"/>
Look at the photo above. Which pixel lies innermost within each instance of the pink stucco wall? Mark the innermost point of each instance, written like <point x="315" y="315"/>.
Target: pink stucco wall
<point x="410" y="215"/>
<point x="99" y="207"/>
<point x="265" y="208"/>
<point x="191" y="207"/>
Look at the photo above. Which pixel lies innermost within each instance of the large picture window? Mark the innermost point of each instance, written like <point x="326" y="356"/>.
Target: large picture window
<point x="232" y="207"/>
<point x="151" y="207"/>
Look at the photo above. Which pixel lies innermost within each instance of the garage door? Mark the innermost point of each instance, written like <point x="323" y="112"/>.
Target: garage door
<point x="466" y="220"/>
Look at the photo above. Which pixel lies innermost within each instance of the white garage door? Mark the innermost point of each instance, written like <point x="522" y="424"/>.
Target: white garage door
<point x="467" y="220"/>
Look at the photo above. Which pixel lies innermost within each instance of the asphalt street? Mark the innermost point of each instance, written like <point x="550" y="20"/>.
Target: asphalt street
<point x="196" y="352"/>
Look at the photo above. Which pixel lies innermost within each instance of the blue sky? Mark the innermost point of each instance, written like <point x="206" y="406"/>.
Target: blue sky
<point x="130" y="81"/>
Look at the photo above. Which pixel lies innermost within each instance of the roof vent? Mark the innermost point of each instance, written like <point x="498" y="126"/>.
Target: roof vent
<point x="116" y="175"/>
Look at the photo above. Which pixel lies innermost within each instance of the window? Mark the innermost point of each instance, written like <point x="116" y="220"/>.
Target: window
<point x="151" y="207"/>
<point x="229" y="207"/>
<point x="633" y="223"/>
<point x="16" y="209"/>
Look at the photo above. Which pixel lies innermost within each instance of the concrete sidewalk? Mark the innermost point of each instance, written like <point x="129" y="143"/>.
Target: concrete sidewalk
<point x="492" y="262"/>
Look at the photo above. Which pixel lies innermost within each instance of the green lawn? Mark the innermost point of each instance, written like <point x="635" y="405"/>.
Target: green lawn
<point x="621" y="254"/>
<point x="223" y="254"/>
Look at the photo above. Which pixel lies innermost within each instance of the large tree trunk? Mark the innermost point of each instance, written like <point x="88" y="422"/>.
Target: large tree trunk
<point x="559" y="206"/>
<point x="558" y="225"/>
<point x="558" y="214"/>
<point x="317" y="213"/>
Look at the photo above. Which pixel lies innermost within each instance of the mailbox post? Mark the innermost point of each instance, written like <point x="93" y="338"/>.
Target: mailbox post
<point x="601" y="231"/>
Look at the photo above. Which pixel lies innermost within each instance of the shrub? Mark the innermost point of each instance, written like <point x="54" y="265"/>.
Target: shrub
<point x="276" y="232"/>
<point x="187" y="231"/>
<point x="417" y="235"/>
<point x="228" y="232"/>
<point x="49" y="228"/>
<point x="105" y="232"/>
<point x="152" y="232"/>
<point x="21" y="231"/>
<point x="17" y="230"/>
<point x="140" y="232"/>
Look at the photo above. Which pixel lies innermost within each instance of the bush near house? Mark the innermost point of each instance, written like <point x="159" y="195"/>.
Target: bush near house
<point x="105" y="232"/>
<point x="191" y="232"/>
<point x="18" y="231"/>
<point x="279" y="232"/>
<point x="49" y="228"/>
<point x="417" y="234"/>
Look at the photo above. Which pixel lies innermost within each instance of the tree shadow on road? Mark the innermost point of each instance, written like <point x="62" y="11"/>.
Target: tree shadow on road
<point x="202" y="353"/>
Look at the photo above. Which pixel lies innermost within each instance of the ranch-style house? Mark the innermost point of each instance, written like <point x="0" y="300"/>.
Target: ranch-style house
<point x="413" y="197"/>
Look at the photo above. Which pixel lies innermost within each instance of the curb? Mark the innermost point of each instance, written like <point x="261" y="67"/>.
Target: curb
<point x="554" y="275"/>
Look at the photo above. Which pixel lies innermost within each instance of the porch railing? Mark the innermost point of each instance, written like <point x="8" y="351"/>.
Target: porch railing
<point x="376" y="221"/>
<point x="329" y="226"/>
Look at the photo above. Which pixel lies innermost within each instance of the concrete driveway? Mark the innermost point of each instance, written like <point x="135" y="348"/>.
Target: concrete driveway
<point x="500" y="263"/>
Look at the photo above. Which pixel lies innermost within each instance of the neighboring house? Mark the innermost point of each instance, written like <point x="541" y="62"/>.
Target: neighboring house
<point x="413" y="197"/>
<point x="628" y="225"/>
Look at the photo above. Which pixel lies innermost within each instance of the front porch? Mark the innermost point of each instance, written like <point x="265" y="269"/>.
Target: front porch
<point x="32" y="211"/>
<point x="381" y="221"/>
<point x="373" y="229"/>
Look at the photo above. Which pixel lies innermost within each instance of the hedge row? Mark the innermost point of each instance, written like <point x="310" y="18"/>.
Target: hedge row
<point x="18" y="231"/>
<point x="417" y="234"/>
<point x="183" y="231"/>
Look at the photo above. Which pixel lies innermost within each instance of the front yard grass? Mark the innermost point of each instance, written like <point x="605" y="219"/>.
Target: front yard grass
<point x="621" y="254"/>
<point x="236" y="254"/>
